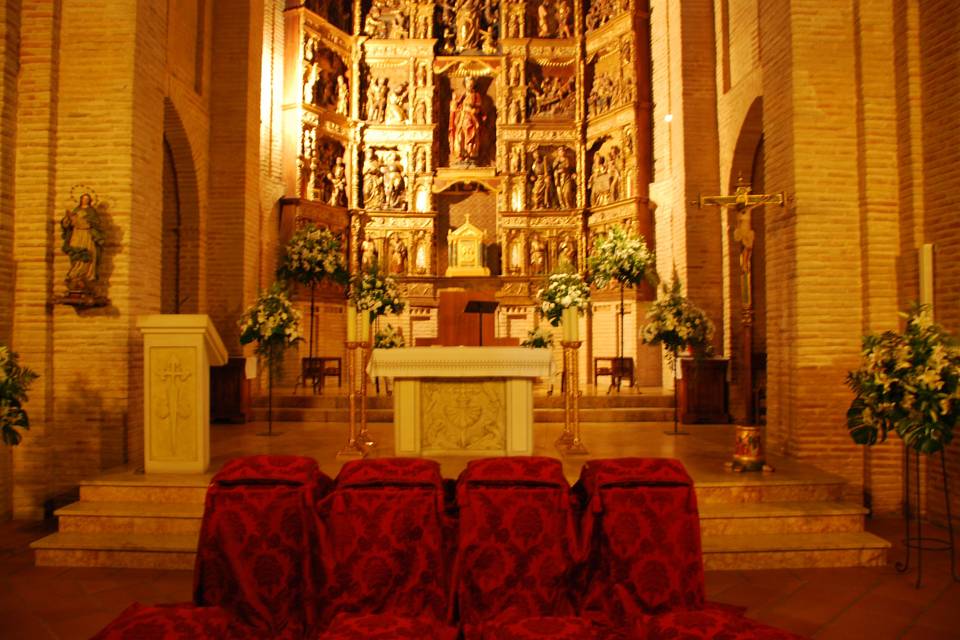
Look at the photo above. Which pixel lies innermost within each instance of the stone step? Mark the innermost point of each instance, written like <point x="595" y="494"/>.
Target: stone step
<point x="131" y="517"/>
<point x="335" y="416"/>
<point x="780" y="517"/>
<point x="606" y="415"/>
<point x="794" y="551"/>
<point x="769" y="490"/>
<point x="128" y="486"/>
<point x="341" y="416"/>
<point x="554" y="401"/>
<point x="120" y="550"/>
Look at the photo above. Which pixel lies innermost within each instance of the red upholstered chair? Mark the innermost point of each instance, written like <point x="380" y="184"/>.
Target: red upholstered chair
<point x="350" y="626"/>
<point x="170" y="622"/>
<point x="641" y="537"/>
<point x="516" y="545"/>
<point x="707" y="624"/>
<point x="257" y="544"/>
<point x="385" y="544"/>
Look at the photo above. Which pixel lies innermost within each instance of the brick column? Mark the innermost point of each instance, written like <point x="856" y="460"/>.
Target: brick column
<point x="33" y="240"/>
<point x="814" y="263"/>
<point x="233" y="263"/>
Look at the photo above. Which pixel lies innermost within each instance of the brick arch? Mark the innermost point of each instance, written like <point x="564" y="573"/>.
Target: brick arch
<point x="747" y="162"/>
<point x="180" y="247"/>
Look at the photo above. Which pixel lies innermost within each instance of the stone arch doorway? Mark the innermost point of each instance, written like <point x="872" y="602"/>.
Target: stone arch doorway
<point x="180" y="244"/>
<point x="747" y="310"/>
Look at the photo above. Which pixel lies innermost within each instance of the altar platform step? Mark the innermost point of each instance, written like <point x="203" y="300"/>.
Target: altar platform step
<point x="331" y="408"/>
<point x="794" y="551"/>
<point x="790" y="519"/>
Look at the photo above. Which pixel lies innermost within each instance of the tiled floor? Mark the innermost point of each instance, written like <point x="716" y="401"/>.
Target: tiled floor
<point x="38" y="603"/>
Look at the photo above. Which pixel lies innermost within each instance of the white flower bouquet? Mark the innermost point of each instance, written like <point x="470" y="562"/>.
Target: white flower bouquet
<point x="676" y="323"/>
<point x="563" y="291"/>
<point x="908" y="383"/>
<point x="272" y="322"/>
<point x="14" y="382"/>
<point x="388" y="338"/>
<point x="375" y="293"/>
<point x="312" y="255"/>
<point x="539" y="338"/>
<point x="619" y="256"/>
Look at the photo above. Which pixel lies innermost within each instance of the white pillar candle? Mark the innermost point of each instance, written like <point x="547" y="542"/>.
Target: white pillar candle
<point x="351" y="322"/>
<point x="571" y="324"/>
<point x="364" y="326"/>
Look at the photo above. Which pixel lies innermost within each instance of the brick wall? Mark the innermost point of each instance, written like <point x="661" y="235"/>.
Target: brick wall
<point x="9" y="66"/>
<point x="940" y="58"/>
<point x="34" y="206"/>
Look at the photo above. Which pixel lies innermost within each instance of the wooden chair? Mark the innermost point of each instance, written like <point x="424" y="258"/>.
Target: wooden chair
<point x="318" y="368"/>
<point x="617" y="368"/>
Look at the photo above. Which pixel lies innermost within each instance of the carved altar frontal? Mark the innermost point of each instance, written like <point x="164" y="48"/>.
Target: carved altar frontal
<point x="462" y="400"/>
<point x="413" y="118"/>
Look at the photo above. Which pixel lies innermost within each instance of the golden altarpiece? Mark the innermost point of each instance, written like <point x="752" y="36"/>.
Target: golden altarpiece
<point x="404" y="118"/>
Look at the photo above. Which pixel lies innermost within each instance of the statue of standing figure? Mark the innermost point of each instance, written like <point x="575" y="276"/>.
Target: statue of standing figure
<point x="373" y="193"/>
<point x="394" y="185"/>
<point x="338" y="184"/>
<point x="541" y="191"/>
<point x="467" y="122"/>
<point x="83" y="236"/>
<point x="396" y="105"/>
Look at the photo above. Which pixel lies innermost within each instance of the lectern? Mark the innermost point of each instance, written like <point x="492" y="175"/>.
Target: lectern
<point x="481" y="307"/>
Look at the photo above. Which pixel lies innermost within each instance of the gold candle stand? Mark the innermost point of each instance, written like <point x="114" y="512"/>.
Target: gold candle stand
<point x="354" y="447"/>
<point x="570" y="442"/>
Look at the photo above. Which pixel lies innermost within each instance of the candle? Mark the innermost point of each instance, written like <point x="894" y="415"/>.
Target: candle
<point x="571" y="324"/>
<point x="351" y="322"/>
<point x="365" y="326"/>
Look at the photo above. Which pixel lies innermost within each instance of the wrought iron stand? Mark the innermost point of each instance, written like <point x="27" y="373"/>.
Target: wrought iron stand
<point x="918" y="541"/>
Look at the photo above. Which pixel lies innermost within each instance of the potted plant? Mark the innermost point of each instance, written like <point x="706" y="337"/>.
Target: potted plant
<point x="909" y="383"/>
<point x="311" y="256"/>
<point x="622" y="257"/>
<point x="562" y="299"/>
<point x="15" y="381"/>
<point x="676" y="323"/>
<point x="274" y="324"/>
<point x="374" y="293"/>
<point x="538" y="338"/>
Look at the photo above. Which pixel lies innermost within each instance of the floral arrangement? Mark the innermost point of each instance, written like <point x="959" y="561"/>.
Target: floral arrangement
<point x="312" y="255"/>
<point x="388" y="338"/>
<point x="563" y="291"/>
<point x="376" y="293"/>
<point x="539" y="338"/>
<point x="676" y="323"/>
<point x="272" y="322"/>
<point x="909" y="383"/>
<point x="620" y="256"/>
<point x="14" y="382"/>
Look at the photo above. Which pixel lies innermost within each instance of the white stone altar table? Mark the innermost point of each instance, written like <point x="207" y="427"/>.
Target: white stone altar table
<point x="462" y="400"/>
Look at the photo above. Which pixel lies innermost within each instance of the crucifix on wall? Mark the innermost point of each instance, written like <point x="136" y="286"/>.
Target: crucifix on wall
<point x="743" y="203"/>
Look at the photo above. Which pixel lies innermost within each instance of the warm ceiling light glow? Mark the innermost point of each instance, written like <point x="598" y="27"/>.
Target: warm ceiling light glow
<point x="668" y="117"/>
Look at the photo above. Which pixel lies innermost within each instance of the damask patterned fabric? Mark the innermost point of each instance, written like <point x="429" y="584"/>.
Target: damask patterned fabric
<point x="182" y="622"/>
<point x="385" y="541"/>
<point x="347" y="626"/>
<point x="641" y="537"/>
<point x="565" y="628"/>
<point x="517" y="544"/>
<point x="712" y="623"/>
<point x="257" y="544"/>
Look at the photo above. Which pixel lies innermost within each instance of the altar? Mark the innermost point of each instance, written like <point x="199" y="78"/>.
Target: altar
<point x="462" y="400"/>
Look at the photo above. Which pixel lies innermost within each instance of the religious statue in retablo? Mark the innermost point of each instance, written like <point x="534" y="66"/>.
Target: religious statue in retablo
<point x="467" y="121"/>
